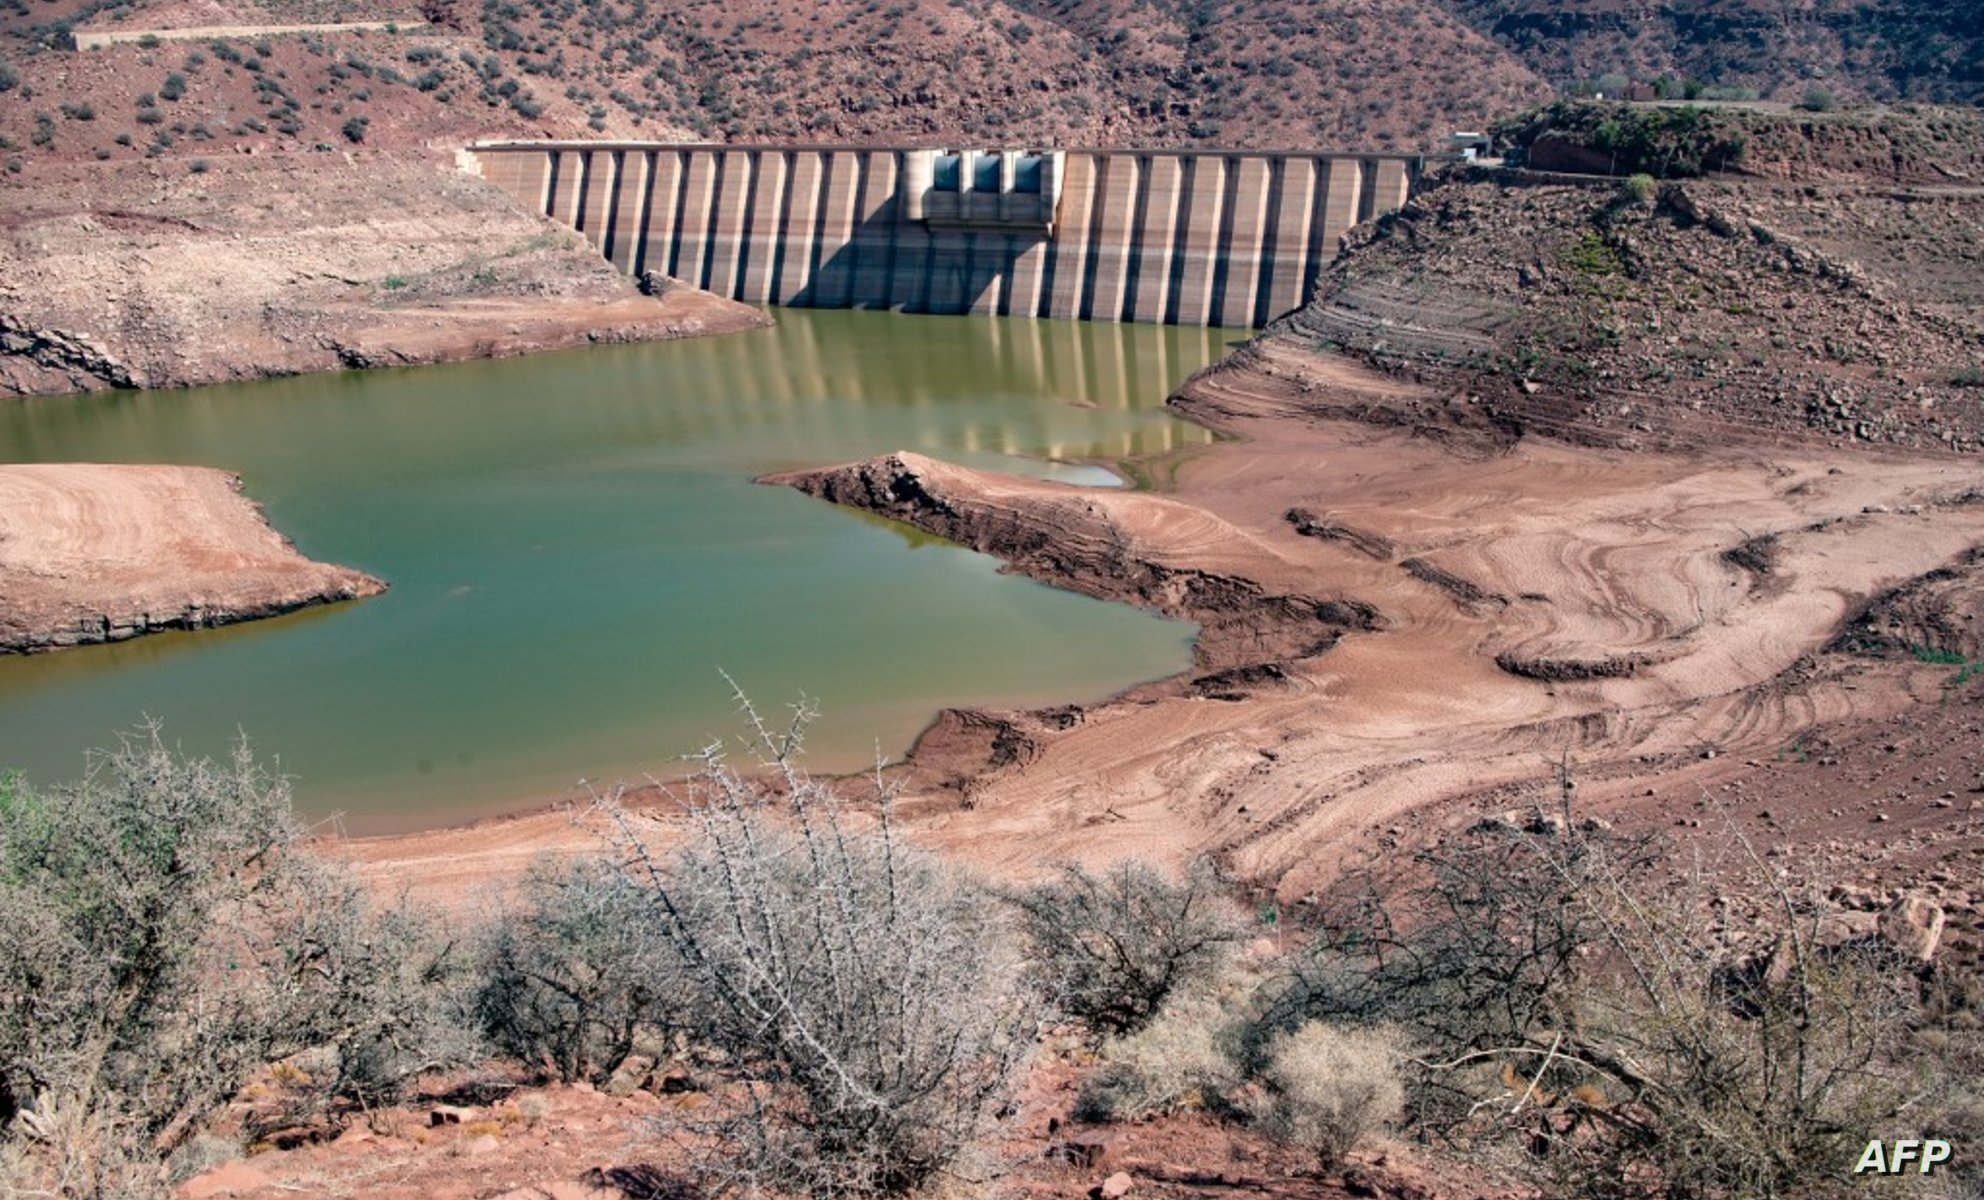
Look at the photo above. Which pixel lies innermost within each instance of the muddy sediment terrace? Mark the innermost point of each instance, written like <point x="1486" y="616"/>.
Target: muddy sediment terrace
<point x="98" y="553"/>
<point x="1406" y="621"/>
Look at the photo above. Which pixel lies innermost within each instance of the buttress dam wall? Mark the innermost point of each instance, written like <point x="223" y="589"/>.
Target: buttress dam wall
<point x="1176" y="237"/>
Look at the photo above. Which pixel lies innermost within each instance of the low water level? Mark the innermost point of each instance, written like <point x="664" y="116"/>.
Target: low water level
<point x="575" y="550"/>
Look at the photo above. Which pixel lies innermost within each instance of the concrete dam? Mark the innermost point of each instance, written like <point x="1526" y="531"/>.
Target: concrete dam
<point x="1175" y="237"/>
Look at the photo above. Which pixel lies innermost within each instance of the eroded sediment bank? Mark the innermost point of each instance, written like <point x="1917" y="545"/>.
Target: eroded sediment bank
<point x="95" y="553"/>
<point x="1624" y="634"/>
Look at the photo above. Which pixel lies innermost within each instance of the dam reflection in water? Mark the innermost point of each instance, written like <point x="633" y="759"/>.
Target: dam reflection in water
<point x="575" y="549"/>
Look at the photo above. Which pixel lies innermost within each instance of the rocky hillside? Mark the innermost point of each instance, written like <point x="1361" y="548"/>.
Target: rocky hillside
<point x="1819" y="304"/>
<point x="1922" y="50"/>
<point x="1350" y="73"/>
<point x="1336" y="73"/>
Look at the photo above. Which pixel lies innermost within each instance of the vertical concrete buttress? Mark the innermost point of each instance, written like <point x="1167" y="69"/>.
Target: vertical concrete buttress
<point x="1115" y="238"/>
<point x="1345" y="194"/>
<point x="1290" y="209"/>
<point x="733" y="197"/>
<point x="1205" y="195"/>
<point x="1394" y="188"/>
<point x="1163" y="184"/>
<point x="1246" y="228"/>
<point x="1070" y="249"/>
<point x="601" y="184"/>
<point x="876" y="242"/>
<point x="802" y="216"/>
<point x="629" y="214"/>
<point x="692" y="254"/>
<point x="834" y="277"/>
<point x="664" y="208"/>
<point x="761" y="234"/>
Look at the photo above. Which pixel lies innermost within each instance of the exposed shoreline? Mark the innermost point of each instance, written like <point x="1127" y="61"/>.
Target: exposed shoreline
<point x="114" y="276"/>
<point x="1539" y="600"/>
<point x="99" y="553"/>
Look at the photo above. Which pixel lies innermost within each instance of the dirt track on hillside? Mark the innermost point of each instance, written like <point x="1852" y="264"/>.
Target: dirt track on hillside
<point x="94" y="553"/>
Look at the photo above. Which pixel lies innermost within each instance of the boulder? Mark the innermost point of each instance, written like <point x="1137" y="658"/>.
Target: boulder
<point x="1116" y="1186"/>
<point x="1088" y="1149"/>
<point x="1913" y="925"/>
<point x="629" y="1076"/>
<point x="229" y="1179"/>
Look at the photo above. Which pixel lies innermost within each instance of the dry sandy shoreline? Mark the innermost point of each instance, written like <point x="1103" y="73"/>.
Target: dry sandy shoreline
<point x="93" y="553"/>
<point x="1449" y="616"/>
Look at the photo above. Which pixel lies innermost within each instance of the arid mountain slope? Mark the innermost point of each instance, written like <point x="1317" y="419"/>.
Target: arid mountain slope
<point x="1812" y="304"/>
<point x="1333" y="73"/>
<point x="1887" y="50"/>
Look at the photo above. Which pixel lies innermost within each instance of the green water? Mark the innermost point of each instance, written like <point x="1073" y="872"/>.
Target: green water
<point x="575" y="550"/>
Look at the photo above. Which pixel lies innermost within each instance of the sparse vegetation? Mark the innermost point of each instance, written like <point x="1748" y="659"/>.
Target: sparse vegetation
<point x="862" y="980"/>
<point x="166" y="936"/>
<point x="1189" y="1057"/>
<point x="1113" y="945"/>
<point x="577" y="971"/>
<point x="1553" y="994"/>
<point x="1332" y="1087"/>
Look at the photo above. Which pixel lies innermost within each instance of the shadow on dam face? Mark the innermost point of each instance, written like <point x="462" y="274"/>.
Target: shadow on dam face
<point x="1175" y="237"/>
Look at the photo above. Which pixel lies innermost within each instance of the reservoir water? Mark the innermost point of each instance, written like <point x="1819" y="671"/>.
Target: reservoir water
<point x="576" y="550"/>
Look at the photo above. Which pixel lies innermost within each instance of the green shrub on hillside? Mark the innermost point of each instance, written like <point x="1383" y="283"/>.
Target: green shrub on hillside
<point x="1663" y="142"/>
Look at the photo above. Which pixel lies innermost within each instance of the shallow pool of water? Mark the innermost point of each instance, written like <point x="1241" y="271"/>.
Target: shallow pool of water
<point x="575" y="551"/>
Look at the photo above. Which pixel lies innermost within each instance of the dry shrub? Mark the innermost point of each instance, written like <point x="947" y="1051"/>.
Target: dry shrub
<point x="864" y="987"/>
<point x="1190" y="1056"/>
<point x="577" y="971"/>
<point x="1615" y="1032"/>
<point x="162" y="937"/>
<point x="1111" y="946"/>
<point x="1332" y="1087"/>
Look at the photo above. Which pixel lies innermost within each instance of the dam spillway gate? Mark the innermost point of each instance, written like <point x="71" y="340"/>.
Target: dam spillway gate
<point x="1177" y="237"/>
